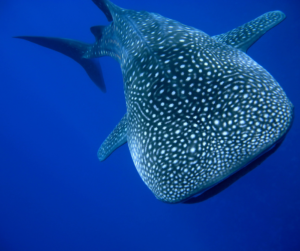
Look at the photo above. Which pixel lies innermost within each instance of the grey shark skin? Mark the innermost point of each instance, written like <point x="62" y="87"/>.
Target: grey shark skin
<point x="198" y="108"/>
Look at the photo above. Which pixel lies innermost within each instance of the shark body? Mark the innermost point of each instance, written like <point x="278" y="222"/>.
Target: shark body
<point x="199" y="108"/>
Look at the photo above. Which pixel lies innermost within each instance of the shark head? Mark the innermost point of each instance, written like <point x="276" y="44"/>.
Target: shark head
<point x="199" y="108"/>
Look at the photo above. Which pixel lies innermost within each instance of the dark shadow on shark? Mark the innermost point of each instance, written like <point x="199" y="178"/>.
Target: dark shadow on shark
<point x="236" y="176"/>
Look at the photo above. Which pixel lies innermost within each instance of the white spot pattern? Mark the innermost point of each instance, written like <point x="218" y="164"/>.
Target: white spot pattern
<point x="197" y="109"/>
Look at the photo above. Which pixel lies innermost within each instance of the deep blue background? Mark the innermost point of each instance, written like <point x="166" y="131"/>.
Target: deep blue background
<point x="56" y="195"/>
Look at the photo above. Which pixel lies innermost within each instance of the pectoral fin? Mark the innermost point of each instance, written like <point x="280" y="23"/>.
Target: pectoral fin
<point x="246" y="35"/>
<point x="114" y="140"/>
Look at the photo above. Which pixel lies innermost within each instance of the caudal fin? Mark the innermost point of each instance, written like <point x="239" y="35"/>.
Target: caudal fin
<point x="75" y="50"/>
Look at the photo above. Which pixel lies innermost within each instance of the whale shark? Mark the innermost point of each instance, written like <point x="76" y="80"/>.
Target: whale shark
<point x="199" y="109"/>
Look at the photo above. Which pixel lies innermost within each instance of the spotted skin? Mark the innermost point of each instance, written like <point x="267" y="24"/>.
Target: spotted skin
<point x="198" y="108"/>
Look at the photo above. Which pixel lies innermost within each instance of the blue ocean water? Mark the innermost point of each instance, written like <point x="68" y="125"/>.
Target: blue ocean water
<point x="56" y="195"/>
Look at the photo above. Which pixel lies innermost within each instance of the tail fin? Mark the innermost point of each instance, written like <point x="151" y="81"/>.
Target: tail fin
<point x="74" y="50"/>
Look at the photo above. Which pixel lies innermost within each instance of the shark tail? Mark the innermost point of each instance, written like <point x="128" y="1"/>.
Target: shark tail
<point x="75" y="50"/>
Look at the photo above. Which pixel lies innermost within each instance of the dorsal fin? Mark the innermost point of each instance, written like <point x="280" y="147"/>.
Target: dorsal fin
<point x="104" y="6"/>
<point x="246" y="35"/>
<point x="97" y="31"/>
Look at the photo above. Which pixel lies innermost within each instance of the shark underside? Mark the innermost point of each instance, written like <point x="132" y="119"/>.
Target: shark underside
<point x="199" y="109"/>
